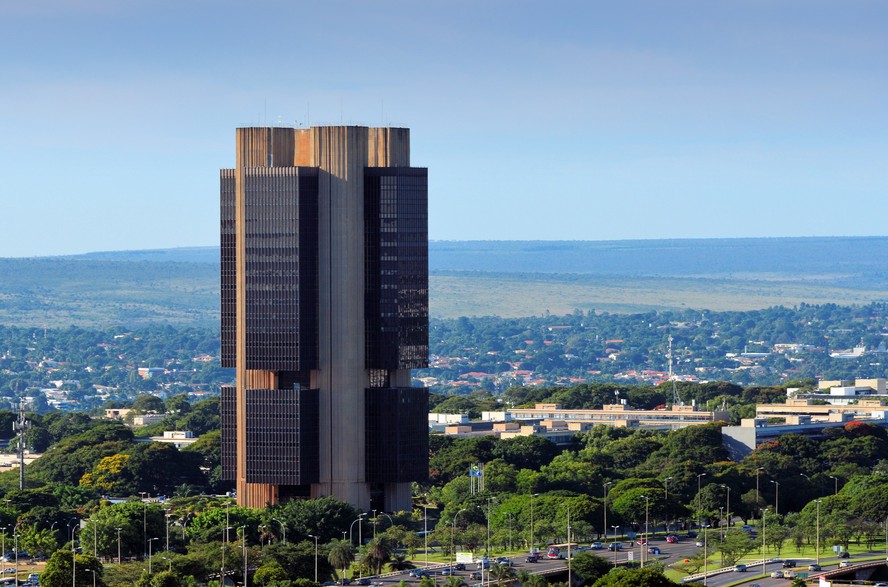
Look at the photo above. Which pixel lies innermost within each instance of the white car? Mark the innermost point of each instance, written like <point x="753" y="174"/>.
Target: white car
<point x="699" y="544"/>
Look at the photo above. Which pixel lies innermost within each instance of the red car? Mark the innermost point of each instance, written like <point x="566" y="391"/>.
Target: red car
<point x="672" y="539"/>
<point x="641" y="541"/>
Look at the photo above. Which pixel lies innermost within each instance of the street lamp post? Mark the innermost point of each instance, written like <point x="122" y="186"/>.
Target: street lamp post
<point x="569" y="582"/>
<point x="352" y="527"/>
<point x="836" y="479"/>
<point x="666" y="498"/>
<point x="699" y="511"/>
<point x="73" y="559"/>
<point x="532" y="495"/>
<point x="764" y="511"/>
<point x="776" y="496"/>
<point x="647" y="503"/>
<point x="425" y="531"/>
<point x="606" y="485"/>
<point x="615" y="544"/>
<point x="243" y="530"/>
<point x="728" y="504"/>
<point x="3" y="530"/>
<point x="818" y="532"/>
<point x="119" y="560"/>
<point x="452" y="533"/>
<point x="721" y="514"/>
<point x="284" y="530"/>
<point x="705" y="554"/>
<point x="316" y="556"/>
<point x="149" y="553"/>
<point x="93" y="574"/>
<point x="757" y="471"/>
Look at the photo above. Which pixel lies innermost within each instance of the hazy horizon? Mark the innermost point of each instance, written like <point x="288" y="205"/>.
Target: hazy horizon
<point x="566" y="121"/>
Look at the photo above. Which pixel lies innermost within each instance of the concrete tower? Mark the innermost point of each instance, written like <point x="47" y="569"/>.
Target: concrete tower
<point x="324" y="313"/>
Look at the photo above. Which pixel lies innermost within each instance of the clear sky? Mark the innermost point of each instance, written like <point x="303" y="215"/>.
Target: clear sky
<point x="584" y="120"/>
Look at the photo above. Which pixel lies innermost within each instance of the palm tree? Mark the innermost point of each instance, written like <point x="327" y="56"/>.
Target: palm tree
<point x="399" y="562"/>
<point x="454" y="581"/>
<point x="502" y="573"/>
<point x="378" y="554"/>
<point x="341" y="555"/>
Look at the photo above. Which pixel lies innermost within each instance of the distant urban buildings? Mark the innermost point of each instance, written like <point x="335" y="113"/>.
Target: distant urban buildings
<point x="560" y="425"/>
<point x="324" y="244"/>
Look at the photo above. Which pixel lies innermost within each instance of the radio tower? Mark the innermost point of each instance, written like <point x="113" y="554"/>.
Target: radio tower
<point x="676" y="401"/>
<point x="21" y="426"/>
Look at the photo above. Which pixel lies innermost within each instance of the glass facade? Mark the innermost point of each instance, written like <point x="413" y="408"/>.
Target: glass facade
<point x="281" y="267"/>
<point x="397" y="267"/>
<point x="229" y="433"/>
<point x="282" y="436"/>
<point x="397" y="434"/>
<point x="228" y="266"/>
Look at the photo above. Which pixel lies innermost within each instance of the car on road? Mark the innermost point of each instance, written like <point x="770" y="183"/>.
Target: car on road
<point x="615" y="546"/>
<point x="740" y="569"/>
<point x="364" y="581"/>
<point x="459" y="567"/>
<point x="344" y="581"/>
<point x="776" y="574"/>
<point x="813" y="567"/>
<point x="654" y="549"/>
<point x="597" y="546"/>
<point x="475" y="576"/>
<point x="844" y="564"/>
<point x="9" y="570"/>
<point x="789" y="564"/>
<point x="484" y="563"/>
<point x="641" y="541"/>
<point x="672" y="539"/>
<point x="699" y="544"/>
<point x="531" y="559"/>
<point x="446" y="572"/>
<point x="844" y="554"/>
<point x="418" y="573"/>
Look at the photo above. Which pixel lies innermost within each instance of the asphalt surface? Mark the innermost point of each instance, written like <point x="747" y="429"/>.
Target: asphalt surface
<point x="669" y="553"/>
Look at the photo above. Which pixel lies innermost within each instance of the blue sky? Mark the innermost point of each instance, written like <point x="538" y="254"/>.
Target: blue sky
<point x="538" y="120"/>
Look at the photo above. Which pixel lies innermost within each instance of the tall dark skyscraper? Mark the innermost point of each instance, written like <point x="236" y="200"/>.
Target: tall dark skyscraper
<point x="324" y="240"/>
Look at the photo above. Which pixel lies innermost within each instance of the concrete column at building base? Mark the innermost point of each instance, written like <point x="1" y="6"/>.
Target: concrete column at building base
<point x="355" y="493"/>
<point x="398" y="497"/>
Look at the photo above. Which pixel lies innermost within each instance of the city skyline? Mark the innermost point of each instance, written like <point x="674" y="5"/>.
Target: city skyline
<point x="575" y="121"/>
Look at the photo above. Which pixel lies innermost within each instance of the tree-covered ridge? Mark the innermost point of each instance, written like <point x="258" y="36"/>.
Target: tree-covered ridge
<point x="497" y="353"/>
